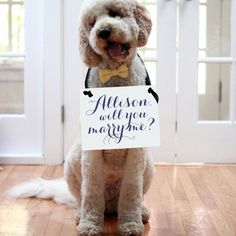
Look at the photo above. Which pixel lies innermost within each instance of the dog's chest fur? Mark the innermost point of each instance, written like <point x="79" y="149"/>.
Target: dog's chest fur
<point x="113" y="170"/>
<point x="113" y="163"/>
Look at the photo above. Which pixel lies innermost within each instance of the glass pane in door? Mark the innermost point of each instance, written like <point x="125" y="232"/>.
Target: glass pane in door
<point x="214" y="28"/>
<point x="213" y="91"/>
<point x="149" y="52"/>
<point x="12" y="85"/>
<point x="11" y="57"/>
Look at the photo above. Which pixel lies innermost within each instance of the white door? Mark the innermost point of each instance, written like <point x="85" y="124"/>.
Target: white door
<point x="21" y="79"/>
<point x="158" y="55"/>
<point x="31" y="72"/>
<point x="207" y="81"/>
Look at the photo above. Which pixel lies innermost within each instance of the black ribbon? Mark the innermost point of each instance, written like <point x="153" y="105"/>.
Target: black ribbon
<point x="88" y="93"/>
<point x="154" y="94"/>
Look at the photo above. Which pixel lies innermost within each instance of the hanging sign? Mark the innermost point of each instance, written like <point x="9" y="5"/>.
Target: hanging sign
<point x="119" y="117"/>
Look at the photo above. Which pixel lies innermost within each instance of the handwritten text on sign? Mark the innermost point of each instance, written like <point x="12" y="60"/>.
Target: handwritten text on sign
<point x="120" y="117"/>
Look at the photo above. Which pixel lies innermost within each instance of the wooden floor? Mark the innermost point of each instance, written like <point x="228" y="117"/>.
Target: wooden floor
<point x="184" y="200"/>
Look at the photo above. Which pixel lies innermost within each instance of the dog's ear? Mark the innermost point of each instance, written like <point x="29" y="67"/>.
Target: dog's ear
<point x="144" y="22"/>
<point x="90" y="58"/>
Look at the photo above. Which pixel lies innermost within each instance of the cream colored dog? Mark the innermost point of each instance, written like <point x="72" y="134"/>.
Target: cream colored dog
<point x="110" y="181"/>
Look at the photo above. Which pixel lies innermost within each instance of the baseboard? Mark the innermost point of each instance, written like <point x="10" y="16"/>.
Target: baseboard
<point x="192" y="164"/>
<point x="39" y="160"/>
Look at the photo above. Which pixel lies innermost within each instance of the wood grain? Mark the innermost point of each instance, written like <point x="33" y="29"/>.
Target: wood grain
<point x="183" y="200"/>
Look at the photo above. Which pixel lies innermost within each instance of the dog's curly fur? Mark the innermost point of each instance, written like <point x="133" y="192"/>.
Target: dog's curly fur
<point x="111" y="181"/>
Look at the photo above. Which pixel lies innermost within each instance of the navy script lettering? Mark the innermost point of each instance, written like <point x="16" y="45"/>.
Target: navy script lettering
<point x="115" y="102"/>
<point x="120" y="117"/>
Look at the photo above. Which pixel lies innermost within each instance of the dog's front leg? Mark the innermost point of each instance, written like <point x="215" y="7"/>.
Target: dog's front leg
<point x="131" y="194"/>
<point x="92" y="189"/>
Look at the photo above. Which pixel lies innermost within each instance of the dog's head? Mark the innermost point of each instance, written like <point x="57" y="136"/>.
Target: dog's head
<point x="111" y="30"/>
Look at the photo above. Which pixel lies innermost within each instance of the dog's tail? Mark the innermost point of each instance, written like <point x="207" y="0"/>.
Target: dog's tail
<point x="46" y="189"/>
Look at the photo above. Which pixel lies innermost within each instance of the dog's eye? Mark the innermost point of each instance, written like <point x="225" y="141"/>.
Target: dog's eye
<point x="113" y="13"/>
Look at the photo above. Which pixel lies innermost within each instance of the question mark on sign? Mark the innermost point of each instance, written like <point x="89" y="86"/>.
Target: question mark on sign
<point x="151" y="123"/>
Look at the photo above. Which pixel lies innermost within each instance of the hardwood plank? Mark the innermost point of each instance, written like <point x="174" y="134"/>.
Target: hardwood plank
<point x="221" y="224"/>
<point x="181" y="201"/>
<point x="4" y="173"/>
<point x="197" y="224"/>
<point x="175" y="224"/>
<point x="49" y="172"/>
<point x="49" y="214"/>
<point x="175" y="184"/>
<point x="222" y="183"/>
<point x="184" y="200"/>
<point x="225" y="203"/>
<point x="69" y="226"/>
<point x="202" y="189"/>
<point x="229" y="177"/>
<point x="221" y="217"/>
<point x="16" y="214"/>
<point x="167" y="197"/>
<point x="192" y="195"/>
<point x="56" y="221"/>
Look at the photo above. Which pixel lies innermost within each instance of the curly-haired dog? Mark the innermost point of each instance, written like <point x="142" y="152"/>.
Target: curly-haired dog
<point x="110" y="181"/>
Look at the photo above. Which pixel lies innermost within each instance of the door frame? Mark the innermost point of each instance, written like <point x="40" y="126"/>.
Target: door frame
<point x="166" y="81"/>
<point x="53" y="148"/>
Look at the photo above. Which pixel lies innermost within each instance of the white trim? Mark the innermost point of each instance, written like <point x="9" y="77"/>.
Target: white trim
<point x="152" y="59"/>
<point x="74" y="73"/>
<point x="10" y="54"/>
<point x="203" y="164"/>
<point x="233" y="67"/>
<point x="53" y="80"/>
<point x="233" y="93"/>
<point x="217" y="60"/>
<point x="166" y="79"/>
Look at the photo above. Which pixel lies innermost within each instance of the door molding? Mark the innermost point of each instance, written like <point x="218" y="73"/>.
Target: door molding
<point x="53" y="81"/>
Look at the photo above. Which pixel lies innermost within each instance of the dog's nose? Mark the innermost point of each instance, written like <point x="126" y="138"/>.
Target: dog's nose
<point x="104" y="33"/>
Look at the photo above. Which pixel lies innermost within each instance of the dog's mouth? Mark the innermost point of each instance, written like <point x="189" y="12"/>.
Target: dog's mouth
<point x="118" y="50"/>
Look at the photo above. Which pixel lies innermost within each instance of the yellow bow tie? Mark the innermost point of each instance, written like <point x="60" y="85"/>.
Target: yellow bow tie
<point x="107" y="74"/>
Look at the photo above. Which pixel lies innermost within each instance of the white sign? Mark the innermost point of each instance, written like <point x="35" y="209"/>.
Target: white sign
<point x="119" y="117"/>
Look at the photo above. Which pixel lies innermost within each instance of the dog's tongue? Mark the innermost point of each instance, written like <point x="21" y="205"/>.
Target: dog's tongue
<point x="115" y="49"/>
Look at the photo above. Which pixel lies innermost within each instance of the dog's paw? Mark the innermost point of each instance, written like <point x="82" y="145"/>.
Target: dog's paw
<point x="145" y="214"/>
<point x="131" y="229"/>
<point x="89" y="229"/>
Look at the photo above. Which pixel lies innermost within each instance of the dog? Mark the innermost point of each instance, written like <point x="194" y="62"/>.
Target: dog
<point x="111" y="180"/>
<point x="106" y="181"/>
